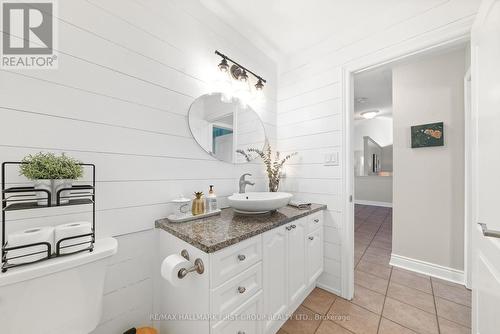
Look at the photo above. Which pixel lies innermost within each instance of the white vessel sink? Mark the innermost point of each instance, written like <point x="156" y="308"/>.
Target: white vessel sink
<point x="258" y="202"/>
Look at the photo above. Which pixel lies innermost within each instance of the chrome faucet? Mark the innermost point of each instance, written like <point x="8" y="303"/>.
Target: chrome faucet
<point x="244" y="183"/>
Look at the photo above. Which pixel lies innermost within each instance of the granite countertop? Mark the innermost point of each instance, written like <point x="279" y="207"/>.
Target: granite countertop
<point x="217" y="232"/>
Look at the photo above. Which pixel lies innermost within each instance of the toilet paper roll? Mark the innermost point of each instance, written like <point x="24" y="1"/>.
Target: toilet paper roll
<point x="71" y="230"/>
<point x="30" y="236"/>
<point x="170" y="268"/>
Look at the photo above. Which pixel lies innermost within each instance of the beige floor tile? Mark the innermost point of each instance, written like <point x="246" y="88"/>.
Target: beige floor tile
<point x="374" y="269"/>
<point x="417" y="298"/>
<point x="442" y="281"/>
<point x="382" y="244"/>
<point x="362" y="239"/>
<point x="360" y="249"/>
<point x="384" y="238"/>
<point x="319" y="301"/>
<point x="303" y="321"/>
<point x="453" y="311"/>
<point x="411" y="280"/>
<point x="364" y="234"/>
<point x="410" y="317"/>
<point x="329" y="327"/>
<point x="382" y="260"/>
<point x="367" y="228"/>
<point x="371" y="282"/>
<point x="389" y="327"/>
<point x="458" y="294"/>
<point x="378" y="251"/>
<point x="449" y="327"/>
<point x="281" y="331"/>
<point x="386" y="235"/>
<point x="376" y="219"/>
<point x="412" y="272"/>
<point x="368" y="299"/>
<point x="353" y="317"/>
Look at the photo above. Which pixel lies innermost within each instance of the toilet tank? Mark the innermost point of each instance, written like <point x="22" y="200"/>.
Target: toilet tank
<point x="61" y="295"/>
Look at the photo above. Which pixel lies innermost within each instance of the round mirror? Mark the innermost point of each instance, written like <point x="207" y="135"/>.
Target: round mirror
<point x="222" y="127"/>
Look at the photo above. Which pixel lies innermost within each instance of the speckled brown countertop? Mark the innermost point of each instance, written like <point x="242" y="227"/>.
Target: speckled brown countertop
<point x="217" y="232"/>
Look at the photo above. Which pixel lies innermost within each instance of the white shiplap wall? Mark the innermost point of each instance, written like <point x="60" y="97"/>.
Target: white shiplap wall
<point x="128" y="72"/>
<point x="310" y="108"/>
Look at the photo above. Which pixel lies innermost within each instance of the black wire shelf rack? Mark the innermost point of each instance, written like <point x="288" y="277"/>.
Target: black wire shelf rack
<point x="29" y="198"/>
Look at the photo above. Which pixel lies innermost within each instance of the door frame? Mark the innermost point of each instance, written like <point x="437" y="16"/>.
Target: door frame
<point x="456" y="35"/>
<point x="470" y="133"/>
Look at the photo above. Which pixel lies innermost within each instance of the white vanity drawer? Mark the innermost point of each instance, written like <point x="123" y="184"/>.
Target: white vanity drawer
<point x="237" y="291"/>
<point x="229" y="262"/>
<point x="242" y="320"/>
<point x="315" y="221"/>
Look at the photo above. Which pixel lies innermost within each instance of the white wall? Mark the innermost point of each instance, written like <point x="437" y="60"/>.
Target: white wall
<point x="429" y="182"/>
<point x="128" y="72"/>
<point x="310" y="106"/>
<point x="373" y="190"/>
<point x="378" y="128"/>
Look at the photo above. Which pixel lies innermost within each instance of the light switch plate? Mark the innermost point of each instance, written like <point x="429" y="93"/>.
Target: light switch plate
<point x="331" y="159"/>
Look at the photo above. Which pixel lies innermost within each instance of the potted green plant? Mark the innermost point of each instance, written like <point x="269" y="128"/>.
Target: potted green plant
<point x="51" y="172"/>
<point x="273" y="166"/>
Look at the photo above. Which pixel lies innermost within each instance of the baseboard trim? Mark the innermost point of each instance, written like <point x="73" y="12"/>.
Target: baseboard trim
<point x="427" y="268"/>
<point x="329" y="289"/>
<point x="373" y="203"/>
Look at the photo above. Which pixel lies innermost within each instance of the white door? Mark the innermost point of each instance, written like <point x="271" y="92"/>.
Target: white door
<point x="486" y="161"/>
<point x="296" y="261"/>
<point x="275" y="272"/>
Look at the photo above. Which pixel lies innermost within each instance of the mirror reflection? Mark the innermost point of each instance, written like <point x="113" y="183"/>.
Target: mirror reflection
<point x="222" y="126"/>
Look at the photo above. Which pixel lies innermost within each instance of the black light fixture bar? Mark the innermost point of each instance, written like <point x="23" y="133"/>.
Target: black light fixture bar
<point x="240" y="66"/>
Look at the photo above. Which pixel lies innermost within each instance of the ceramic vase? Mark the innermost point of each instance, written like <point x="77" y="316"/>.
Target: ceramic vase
<point x="53" y="186"/>
<point x="198" y="206"/>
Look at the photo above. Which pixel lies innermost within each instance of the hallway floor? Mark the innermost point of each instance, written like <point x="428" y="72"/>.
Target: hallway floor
<point x="387" y="300"/>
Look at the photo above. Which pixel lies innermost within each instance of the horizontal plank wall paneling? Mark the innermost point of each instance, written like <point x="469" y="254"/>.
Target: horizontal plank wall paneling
<point x="128" y="73"/>
<point x="310" y="105"/>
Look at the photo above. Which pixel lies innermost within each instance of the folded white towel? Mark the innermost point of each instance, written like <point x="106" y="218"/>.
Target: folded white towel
<point x="26" y="237"/>
<point x="301" y="205"/>
<point x="71" y="230"/>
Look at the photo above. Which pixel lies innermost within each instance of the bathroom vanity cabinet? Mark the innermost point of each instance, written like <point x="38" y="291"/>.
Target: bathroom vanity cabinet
<point x="254" y="284"/>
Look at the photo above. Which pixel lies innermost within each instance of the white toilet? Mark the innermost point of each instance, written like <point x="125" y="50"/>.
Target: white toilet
<point x="62" y="295"/>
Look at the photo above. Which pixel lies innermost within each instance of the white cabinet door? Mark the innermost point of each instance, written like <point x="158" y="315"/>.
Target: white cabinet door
<point x="242" y="321"/>
<point x="314" y="249"/>
<point x="275" y="276"/>
<point x="296" y="261"/>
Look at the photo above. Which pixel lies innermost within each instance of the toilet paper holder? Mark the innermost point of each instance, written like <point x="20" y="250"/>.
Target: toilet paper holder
<point x="198" y="266"/>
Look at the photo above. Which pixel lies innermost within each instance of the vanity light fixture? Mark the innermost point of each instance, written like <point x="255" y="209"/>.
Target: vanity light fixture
<point x="259" y="85"/>
<point x="223" y="66"/>
<point x="239" y="72"/>
<point x="243" y="76"/>
<point x="369" y="114"/>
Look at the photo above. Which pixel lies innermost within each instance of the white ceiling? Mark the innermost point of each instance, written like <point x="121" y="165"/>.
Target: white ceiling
<point x="284" y="27"/>
<point x="376" y="87"/>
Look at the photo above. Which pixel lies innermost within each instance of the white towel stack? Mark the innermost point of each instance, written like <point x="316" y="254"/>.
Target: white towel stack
<point x="26" y="237"/>
<point x="301" y="205"/>
<point x="71" y="230"/>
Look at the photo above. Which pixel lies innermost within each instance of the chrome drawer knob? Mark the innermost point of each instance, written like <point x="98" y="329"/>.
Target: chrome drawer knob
<point x="294" y="226"/>
<point x="311" y="238"/>
<point x="241" y="289"/>
<point x="288" y="228"/>
<point x="241" y="332"/>
<point x="316" y="220"/>
<point x="241" y="257"/>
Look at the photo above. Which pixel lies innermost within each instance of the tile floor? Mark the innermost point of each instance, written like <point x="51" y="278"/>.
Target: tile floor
<point x="387" y="300"/>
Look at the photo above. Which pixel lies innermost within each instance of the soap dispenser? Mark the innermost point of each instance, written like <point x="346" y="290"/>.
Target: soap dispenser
<point x="211" y="200"/>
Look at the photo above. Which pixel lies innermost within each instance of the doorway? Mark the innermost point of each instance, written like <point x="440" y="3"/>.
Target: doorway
<point x="373" y="168"/>
<point x="378" y="273"/>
